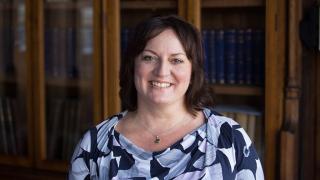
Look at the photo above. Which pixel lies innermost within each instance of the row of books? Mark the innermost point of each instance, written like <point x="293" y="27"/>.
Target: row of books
<point x="234" y="56"/>
<point x="250" y="119"/>
<point x="67" y="119"/>
<point x="12" y="129"/>
<point x="68" y="52"/>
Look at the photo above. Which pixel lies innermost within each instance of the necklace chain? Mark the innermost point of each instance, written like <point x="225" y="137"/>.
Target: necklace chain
<point x="157" y="136"/>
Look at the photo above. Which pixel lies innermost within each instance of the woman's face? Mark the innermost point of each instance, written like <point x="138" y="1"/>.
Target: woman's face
<point x="162" y="71"/>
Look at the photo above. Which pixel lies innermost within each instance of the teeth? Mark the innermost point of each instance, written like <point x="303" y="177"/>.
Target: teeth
<point x="160" y="85"/>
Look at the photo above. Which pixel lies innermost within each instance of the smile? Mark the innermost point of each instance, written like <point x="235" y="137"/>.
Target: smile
<point x="160" y="84"/>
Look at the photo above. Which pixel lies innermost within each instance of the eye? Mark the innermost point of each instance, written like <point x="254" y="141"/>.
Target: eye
<point x="148" y="58"/>
<point x="177" y="61"/>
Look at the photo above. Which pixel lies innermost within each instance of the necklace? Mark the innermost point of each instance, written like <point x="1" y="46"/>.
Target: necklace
<point x="157" y="136"/>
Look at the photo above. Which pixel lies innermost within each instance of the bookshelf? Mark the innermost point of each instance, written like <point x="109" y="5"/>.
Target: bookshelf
<point x="230" y="19"/>
<point x="237" y="90"/>
<point x="15" y="86"/>
<point x="73" y="49"/>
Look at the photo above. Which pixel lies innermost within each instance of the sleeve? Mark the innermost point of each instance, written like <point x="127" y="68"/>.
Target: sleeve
<point x="80" y="166"/>
<point x="248" y="165"/>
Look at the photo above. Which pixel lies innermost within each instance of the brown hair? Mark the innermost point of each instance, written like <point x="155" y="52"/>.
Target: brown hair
<point x="199" y="94"/>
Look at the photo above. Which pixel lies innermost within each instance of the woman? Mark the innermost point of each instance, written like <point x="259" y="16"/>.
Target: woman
<point x="168" y="130"/>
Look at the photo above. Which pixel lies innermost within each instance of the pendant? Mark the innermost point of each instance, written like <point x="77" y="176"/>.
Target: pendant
<point x="157" y="140"/>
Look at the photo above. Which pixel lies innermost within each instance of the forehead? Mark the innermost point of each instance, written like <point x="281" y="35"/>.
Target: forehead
<point x="166" y="41"/>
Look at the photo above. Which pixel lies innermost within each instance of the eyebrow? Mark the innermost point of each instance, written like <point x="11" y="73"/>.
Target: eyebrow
<point x="175" y="54"/>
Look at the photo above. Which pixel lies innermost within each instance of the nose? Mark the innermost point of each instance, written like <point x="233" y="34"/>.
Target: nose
<point x="162" y="68"/>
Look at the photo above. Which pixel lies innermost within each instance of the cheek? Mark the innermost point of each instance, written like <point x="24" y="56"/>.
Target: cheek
<point x="184" y="74"/>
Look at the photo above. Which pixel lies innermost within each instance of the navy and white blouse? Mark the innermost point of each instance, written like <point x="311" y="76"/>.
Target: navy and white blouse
<point x="218" y="150"/>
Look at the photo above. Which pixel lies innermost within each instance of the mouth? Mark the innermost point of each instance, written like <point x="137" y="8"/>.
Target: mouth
<point x="160" y="84"/>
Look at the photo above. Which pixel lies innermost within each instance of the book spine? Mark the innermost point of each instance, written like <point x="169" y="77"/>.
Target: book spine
<point x="10" y="127"/>
<point x="240" y="72"/>
<point x="124" y="41"/>
<point x="206" y="53"/>
<point x="72" y="70"/>
<point x="2" y="64"/>
<point x="258" y="56"/>
<point x="62" y="47"/>
<point x="86" y="51"/>
<point x="248" y="57"/>
<point x="54" y="133"/>
<point x="242" y="119"/>
<point x="8" y="50"/>
<point x="252" y="118"/>
<point x="54" y="69"/>
<point x="3" y="129"/>
<point x="48" y="51"/>
<point x="212" y="51"/>
<point x="230" y="55"/>
<point x="220" y="57"/>
<point x="65" y="129"/>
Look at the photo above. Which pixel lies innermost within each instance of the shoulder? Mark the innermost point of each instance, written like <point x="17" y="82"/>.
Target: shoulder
<point x="98" y="135"/>
<point x="233" y="143"/>
<point x="223" y="130"/>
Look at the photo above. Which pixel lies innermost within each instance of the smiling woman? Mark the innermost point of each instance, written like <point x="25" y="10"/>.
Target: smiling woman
<point x="169" y="130"/>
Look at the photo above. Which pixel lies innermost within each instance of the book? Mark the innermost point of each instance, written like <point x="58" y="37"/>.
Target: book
<point x="2" y="62"/>
<point x="259" y="136"/>
<point x="124" y="41"/>
<point x="84" y="52"/>
<point x="72" y="69"/>
<point x="219" y="54"/>
<point x="62" y="49"/>
<point x="230" y="55"/>
<point x="54" y="134"/>
<point x="54" y="47"/>
<point x="48" y="51"/>
<point x="4" y="139"/>
<point x="251" y="126"/>
<point x="240" y="65"/>
<point x="10" y="127"/>
<point x="248" y="59"/>
<point x="8" y="50"/>
<point x="242" y="119"/>
<point x="212" y="59"/>
<point x="258" y="56"/>
<point x="205" y="44"/>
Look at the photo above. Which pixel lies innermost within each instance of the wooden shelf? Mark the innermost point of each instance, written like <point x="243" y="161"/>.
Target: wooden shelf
<point x="66" y="5"/>
<point x="238" y="90"/>
<point x="149" y="4"/>
<point x="231" y="3"/>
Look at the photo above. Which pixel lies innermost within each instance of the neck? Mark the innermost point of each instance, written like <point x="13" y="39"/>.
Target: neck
<point x="161" y="117"/>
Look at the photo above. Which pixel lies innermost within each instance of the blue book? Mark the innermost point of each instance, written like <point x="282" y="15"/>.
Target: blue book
<point x="240" y="70"/>
<point x="258" y="56"/>
<point x="8" y="50"/>
<point x="2" y="70"/>
<point x="212" y="55"/>
<point x="205" y="43"/>
<point x="124" y="41"/>
<point x="248" y="57"/>
<point x="55" y="66"/>
<point x="230" y="55"/>
<point x="219" y="56"/>
<point x="48" y="51"/>
<point x="72" y="70"/>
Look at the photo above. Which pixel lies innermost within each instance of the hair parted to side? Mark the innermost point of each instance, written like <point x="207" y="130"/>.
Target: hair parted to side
<point x="199" y="94"/>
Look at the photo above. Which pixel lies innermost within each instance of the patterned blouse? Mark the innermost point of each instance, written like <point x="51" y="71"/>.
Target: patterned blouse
<point x="219" y="150"/>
